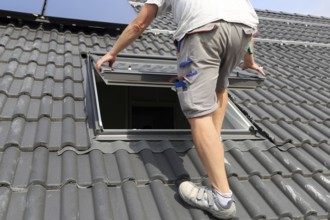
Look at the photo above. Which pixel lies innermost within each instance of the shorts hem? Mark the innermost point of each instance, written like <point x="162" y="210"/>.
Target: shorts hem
<point x="201" y="113"/>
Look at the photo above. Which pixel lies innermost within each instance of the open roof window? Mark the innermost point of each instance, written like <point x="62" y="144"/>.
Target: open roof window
<point x="134" y="100"/>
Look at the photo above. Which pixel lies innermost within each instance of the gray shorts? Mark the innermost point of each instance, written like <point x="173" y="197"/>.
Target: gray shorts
<point x="206" y="57"/>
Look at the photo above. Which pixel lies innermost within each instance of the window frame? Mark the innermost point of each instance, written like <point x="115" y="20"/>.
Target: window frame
<point x="246" y="130"/>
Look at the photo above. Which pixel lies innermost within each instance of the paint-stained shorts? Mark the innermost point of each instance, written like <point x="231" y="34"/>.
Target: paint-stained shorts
<point x="206" y="56"/>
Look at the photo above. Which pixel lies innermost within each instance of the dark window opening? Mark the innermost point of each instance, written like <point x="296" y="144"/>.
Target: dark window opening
<point x="133" y="107"/>
<point x="152" y="117"/>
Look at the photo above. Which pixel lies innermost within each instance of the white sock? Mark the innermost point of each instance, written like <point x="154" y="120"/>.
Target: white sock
<point x="224" y="198"/>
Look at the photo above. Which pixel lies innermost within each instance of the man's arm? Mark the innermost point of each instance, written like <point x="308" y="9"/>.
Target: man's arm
<point x="131" y="33"/>
<point x="249" y="60"/>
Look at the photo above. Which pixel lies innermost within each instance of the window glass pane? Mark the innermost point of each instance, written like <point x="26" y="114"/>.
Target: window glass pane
<point x="109" y="11"/>
<point x="24" y="6"/>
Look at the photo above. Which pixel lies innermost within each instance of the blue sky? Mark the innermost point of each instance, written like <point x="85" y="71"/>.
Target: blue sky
<point x="311" y="7"/>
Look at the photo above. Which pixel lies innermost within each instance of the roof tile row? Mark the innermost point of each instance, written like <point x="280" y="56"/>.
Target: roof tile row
<point x="293" y="31"/>
<point x="28" y="135"/>
<point x="52" y="171"/>
<point x="38" y="72"/>
<point x="18" y="56"/>
<point x="281" y="96"/>
<point x="34" y="34"/>
<point x="273" y="198"/>
<point x="15" y="87"/>
<point x="33" y="109"/>
<point x="293" y="17"/>
<point x="289" y="112"/>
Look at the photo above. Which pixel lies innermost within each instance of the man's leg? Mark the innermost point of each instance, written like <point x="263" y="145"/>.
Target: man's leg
<point x="206" y="131"/>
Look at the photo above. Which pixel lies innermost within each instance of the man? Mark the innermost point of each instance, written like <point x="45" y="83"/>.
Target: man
<point x="211" y="38"/>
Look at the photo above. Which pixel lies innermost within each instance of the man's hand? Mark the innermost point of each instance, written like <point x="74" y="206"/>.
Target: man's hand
<point x="249" y="60"/>
<point x="253" y="66"/>
<point x="106" y="58"/>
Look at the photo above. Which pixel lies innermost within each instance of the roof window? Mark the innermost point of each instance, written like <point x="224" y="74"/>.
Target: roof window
<point x="134" y="100"/>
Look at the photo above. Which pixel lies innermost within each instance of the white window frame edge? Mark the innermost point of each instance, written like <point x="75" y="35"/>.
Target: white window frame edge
<point x="103" y="134"/>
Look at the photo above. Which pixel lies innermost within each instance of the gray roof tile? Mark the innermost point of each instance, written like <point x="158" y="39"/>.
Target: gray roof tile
<point x="4" y="40"/>
<point x="39" y="173"/>
<point x="42" y="133"/>
<point x="9" y="162"/>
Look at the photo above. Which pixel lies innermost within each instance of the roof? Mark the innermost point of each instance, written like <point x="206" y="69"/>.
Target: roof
<point x="51" y="167"/>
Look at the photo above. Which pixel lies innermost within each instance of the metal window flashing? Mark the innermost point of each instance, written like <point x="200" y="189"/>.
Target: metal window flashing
<point x="173" y="135"/>
<point x="92" y="102"/>
<point x="243" y="131"/>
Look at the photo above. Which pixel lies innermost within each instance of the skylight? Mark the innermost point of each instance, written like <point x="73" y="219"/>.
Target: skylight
<point x="135" y="101"/>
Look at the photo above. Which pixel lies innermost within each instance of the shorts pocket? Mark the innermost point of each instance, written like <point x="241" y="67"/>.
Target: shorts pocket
<point x="185" y="99"/>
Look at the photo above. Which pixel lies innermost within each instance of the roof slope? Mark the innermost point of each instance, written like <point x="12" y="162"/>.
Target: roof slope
<point x="42" y="110"/>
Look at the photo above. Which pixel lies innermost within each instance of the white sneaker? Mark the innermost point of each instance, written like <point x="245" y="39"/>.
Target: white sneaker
<point x="204" y="198"/>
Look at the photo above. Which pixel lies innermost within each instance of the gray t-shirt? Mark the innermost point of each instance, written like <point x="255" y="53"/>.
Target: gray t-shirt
<point x="191" y="14"/>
